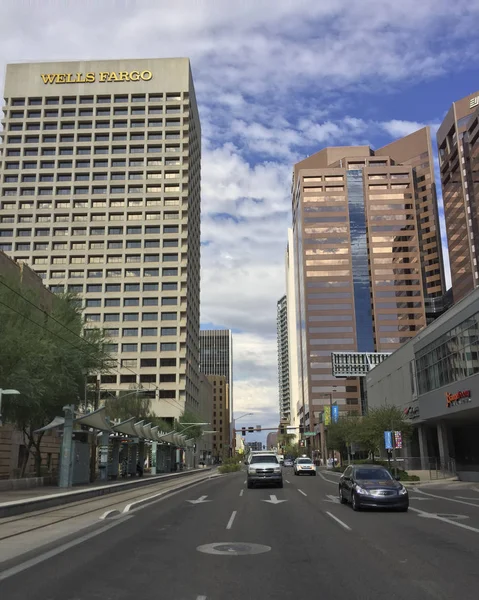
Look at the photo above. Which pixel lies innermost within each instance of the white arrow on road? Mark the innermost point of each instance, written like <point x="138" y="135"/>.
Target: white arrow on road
<point x="415" y="498"/>
<point x="200" y="500"/>
<point x="332" y="498"/>
<point x="274" y="500"/>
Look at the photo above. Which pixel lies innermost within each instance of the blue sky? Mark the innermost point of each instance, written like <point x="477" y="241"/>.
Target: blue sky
<point x="276" y="81"/>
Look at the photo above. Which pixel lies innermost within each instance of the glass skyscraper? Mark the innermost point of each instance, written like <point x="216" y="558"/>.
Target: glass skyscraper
<point x="361" y="280"/>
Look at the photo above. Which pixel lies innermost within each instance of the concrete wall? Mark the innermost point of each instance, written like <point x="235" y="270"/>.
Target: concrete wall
<point x="390" y="381"/>
<point x="11" y="441"/>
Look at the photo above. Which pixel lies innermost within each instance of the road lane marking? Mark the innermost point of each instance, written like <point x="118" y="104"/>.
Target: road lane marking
<point x="424" y="513"/>
<point x="232" y="518"/>
<point x="200" y="597"/>
<point x="328" y="480"/>
<point x="287" y="481"/>
<point x="274" y="500"/>
<point x="241" y="492"/>
<point x="58" y="550"/>
<point x="244" y="481"/>
<point x="109" y="514"/>
<point x="339" y="521"/>
<point x="463" y="498"/>
<point x="332" y="498"/>
<point x="301" y="492"/>
<point x="199" y="500"/>
<point x="445" y="498"/>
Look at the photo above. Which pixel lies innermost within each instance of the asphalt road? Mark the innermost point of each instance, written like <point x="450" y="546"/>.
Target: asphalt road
<point x="312" y="547"/>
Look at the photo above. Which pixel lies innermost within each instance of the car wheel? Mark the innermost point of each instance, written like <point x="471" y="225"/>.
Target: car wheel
<point x="403" y="509"/>
<point x="250" y="485"/>
<point x="313" y="473"/>
<point x="280" y="485"/>
<point x="355" y="502"/>
<point x="342" y="499"/>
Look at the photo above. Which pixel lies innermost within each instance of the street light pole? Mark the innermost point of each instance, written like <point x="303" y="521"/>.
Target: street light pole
<point x="5" y="392"/>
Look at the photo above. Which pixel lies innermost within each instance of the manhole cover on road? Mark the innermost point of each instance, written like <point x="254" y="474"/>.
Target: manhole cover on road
<point x="233" y="548"/>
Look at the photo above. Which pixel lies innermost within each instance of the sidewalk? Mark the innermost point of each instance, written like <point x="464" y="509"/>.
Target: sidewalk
<point x="14" y="502"/>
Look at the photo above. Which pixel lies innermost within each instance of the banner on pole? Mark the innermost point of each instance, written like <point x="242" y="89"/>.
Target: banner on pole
<point x="327" y="415"/>
<point x="335" y="413"/>
<point x="388" y="440"/>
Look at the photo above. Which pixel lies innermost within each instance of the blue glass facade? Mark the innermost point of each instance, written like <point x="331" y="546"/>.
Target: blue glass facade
<point x="359" y="258"/>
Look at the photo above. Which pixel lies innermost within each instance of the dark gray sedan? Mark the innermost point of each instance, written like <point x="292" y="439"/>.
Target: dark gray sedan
<point x="372" y="486"/>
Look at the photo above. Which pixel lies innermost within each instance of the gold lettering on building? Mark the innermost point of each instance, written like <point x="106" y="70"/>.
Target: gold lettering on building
<point x="103" y="77"/>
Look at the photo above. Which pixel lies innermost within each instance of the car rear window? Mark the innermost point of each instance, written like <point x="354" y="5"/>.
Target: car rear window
<point x="264" y="459"/>
<point x="305" y="461"/>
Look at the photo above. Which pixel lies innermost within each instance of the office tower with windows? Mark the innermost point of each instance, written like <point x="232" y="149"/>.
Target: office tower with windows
<point x="359" y="276"/>
<point x="221" y="416"/>
<point x="283" y="360"/>
<point x="100" y="194"/>
<point x="216" y="356"/>
<point x="292" y="315"/>
<point x="457" y="140"/>
<point x="415" y="150"/>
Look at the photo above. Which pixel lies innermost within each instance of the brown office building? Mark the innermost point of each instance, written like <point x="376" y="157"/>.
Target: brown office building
<point x="221" y="416"/>
<point x="365" y="262"/>
<point x="457" y="140"/>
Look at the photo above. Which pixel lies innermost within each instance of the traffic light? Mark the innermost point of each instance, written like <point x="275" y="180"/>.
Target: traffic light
<point x="282" y="430"/>
<point x="302" y="443"/>
<point x="243" y="431"/>
<point x="301" y="429"/>
<point x="258" y="428"/>
<point x="250" y="429"/>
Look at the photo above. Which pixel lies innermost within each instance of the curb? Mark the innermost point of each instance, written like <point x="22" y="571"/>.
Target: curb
<point x="18" y="507"/>
<point x="429" y="482"/>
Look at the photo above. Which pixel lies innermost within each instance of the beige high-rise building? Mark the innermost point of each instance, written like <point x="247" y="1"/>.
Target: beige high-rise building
<point x="360" y="281"/>
<point x="457" y="140"/>
<point x="100" y="194"/>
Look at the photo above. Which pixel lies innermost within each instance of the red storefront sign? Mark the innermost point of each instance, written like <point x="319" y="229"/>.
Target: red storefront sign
<point x="458" y="398"/>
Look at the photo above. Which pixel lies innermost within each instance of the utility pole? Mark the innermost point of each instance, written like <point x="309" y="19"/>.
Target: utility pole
<point x="66" y="471"/>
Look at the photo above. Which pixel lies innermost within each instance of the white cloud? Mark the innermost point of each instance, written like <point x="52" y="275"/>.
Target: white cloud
<point x="275" y="82"/>
<point x="397" y="128"/>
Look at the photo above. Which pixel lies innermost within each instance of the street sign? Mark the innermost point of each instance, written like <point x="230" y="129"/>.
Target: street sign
<point x="309" y="433"/>
<point x="258" y="427"/>
<point x="388" y="440"/>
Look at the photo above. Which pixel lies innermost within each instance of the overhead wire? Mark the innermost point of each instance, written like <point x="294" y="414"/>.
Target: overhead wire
<point x="83" y="339"/>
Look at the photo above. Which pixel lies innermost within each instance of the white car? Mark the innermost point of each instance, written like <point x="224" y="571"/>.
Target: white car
<point x="304" y="466"/>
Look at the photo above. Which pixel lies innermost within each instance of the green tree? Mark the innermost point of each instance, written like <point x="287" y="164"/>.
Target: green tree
<point x="381" y="419"/>
<point x="44" y="356"/>
<point x="129" y="404"/>
<point x="342" y="434"/>
<point x="195" y="431"/>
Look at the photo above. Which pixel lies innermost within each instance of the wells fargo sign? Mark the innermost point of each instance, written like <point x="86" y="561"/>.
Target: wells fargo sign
<point x="102" y="77"/>
<point x="458" y="398"/>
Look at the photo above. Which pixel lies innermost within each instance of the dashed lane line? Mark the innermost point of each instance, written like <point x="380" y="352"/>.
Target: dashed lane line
<point x="301" y="492"/>
<point x="232" y="518"/>
<point x="342" y="523"/>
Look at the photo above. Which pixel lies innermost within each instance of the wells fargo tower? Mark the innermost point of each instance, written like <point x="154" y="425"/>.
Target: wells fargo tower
<point x="100" y="194"/>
